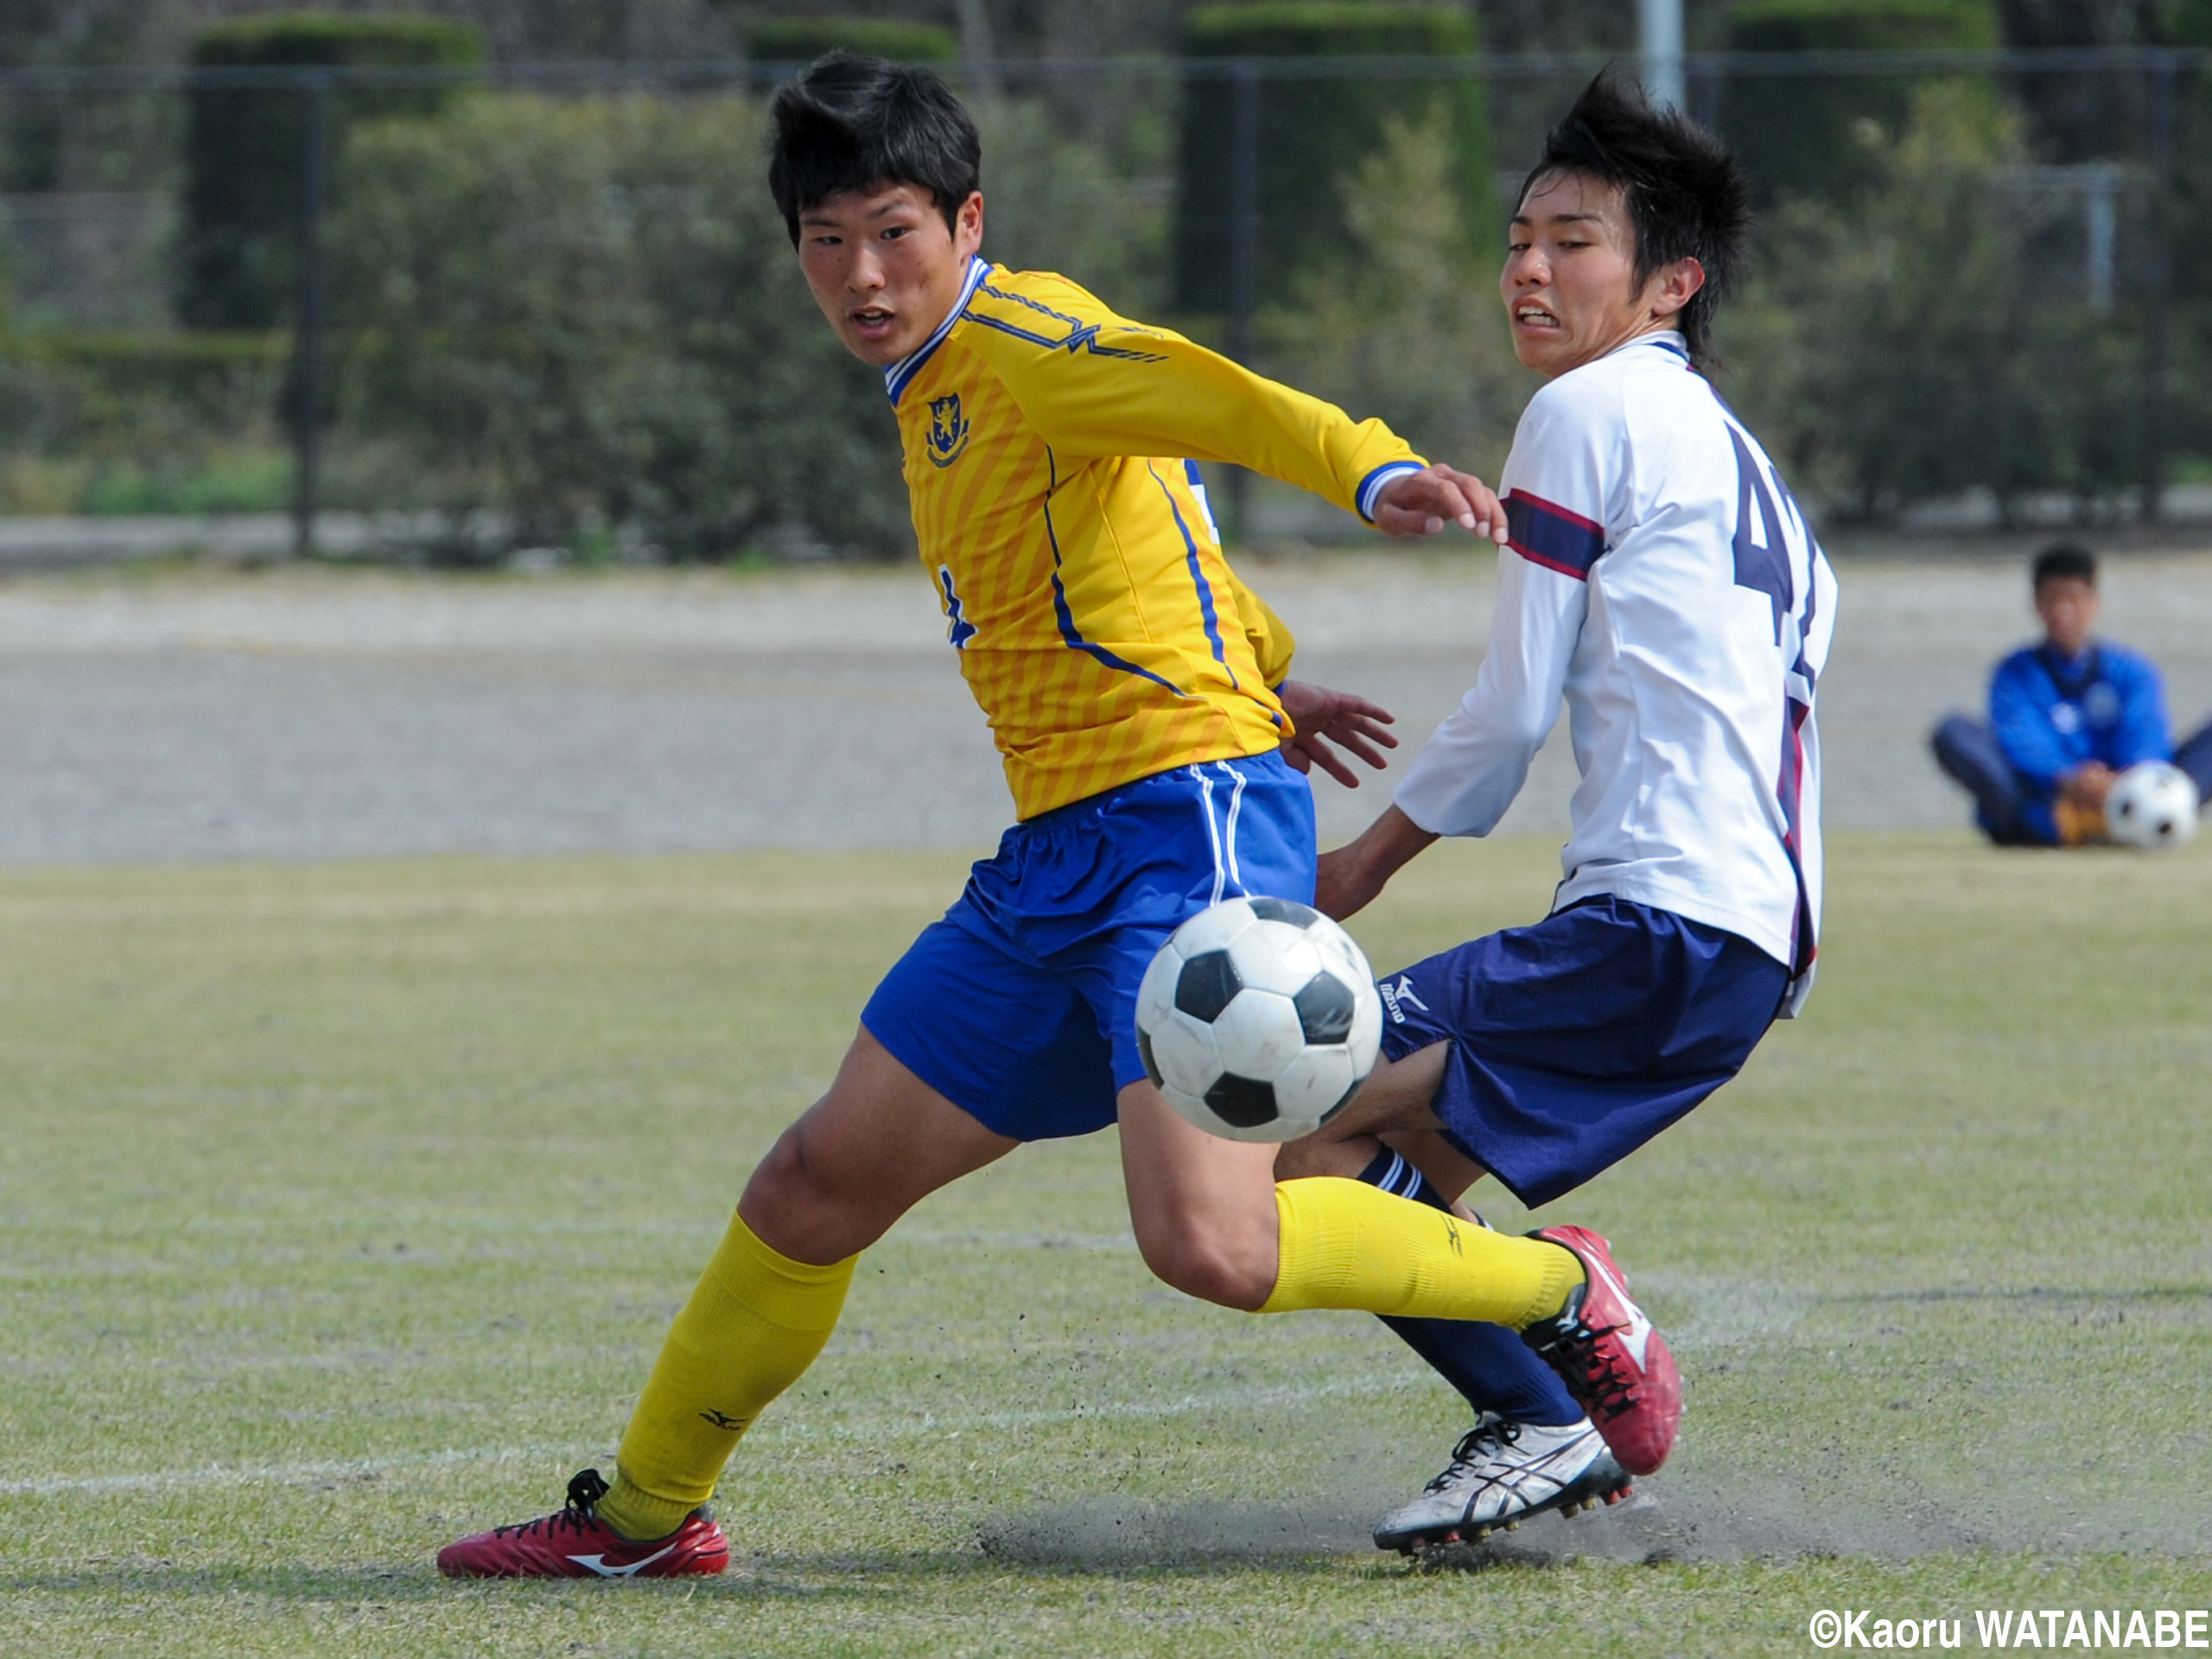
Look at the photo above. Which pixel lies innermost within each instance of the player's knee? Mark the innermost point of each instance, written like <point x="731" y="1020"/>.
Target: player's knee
<point x="1209" y="1263"/>
<point x="797" y="1204"/>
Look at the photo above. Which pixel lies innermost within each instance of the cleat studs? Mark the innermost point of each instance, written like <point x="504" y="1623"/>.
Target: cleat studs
<point x="1513" y="1526"/>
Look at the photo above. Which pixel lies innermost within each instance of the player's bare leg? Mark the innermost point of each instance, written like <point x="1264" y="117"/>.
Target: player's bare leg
<point x="876" y="1144"/>
<point x="1211" y="1220"/>
<point x="1392" y="1105"/>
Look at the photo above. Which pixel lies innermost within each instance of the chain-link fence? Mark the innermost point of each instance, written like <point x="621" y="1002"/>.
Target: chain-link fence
<point x="553" y="309"/>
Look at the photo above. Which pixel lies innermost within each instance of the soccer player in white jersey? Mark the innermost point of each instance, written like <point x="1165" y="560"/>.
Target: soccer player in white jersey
<point x="1661" y="581"/>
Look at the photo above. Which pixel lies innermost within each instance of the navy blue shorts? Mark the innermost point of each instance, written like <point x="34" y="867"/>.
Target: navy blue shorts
<point x="1576" y="1040"/>
<point x="1020" y="1006"/>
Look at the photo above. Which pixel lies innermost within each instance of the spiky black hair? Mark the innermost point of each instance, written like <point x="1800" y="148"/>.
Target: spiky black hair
<point x="852" y="123"/>
<point x="1687" y="197"/>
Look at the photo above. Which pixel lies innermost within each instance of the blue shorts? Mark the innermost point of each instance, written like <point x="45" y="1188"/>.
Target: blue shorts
<point x="1020" y="1006"/>
<point x="1576" y="1040"/>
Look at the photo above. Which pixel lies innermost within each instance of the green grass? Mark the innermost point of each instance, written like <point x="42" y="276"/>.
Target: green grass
<point x="343" y="1206"/>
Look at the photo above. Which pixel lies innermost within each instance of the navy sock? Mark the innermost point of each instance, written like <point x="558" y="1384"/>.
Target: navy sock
<point x="1490" y="1365"/>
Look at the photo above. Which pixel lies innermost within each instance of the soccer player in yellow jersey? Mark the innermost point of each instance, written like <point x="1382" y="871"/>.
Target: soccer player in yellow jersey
<point x="1137" y="692"/>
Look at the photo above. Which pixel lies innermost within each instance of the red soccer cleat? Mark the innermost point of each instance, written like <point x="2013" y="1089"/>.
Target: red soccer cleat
<point x="1611" y="1359"/>
<point x="575" y="1543"/>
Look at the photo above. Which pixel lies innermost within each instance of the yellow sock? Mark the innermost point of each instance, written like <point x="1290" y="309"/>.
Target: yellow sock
<point x="1347" y="1244"/>
<point x="755" y="1322"/>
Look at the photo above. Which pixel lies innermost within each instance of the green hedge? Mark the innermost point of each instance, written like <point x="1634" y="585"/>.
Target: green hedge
<point x="237" y="262"/>
<point x="802" y="39"/>
<point x="101" y="422"/>
<point x="1312" y="134"/>
<point x="586" y="314"/>
<point x="1800" y="134"/>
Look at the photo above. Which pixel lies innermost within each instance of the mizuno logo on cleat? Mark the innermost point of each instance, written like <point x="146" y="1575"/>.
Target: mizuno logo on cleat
<point x="1638" y="1329"/>
<point x="598" y="1563"/>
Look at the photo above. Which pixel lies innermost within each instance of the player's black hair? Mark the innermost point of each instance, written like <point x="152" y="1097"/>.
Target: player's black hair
<point x="2065" y="562"/>
<point x="1687" y="197"/>
<point x="852" y="123"/>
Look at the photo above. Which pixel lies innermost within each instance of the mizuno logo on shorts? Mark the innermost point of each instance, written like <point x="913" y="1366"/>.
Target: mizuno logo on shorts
<point x="1400" y="992"/>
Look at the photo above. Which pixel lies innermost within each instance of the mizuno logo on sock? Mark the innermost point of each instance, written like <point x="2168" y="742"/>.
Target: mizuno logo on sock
<point x="598" y="1563"/>
<point x="722" y="1420"/>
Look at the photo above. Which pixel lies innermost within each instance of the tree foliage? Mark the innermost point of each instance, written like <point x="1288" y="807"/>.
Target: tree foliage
<point x="588" y="315"/>
<point x="1411" y="329"/>
<point x="1899" y="347"/>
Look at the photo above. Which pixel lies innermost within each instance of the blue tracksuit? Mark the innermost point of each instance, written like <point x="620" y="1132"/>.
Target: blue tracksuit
<point x="2050" y="715"/>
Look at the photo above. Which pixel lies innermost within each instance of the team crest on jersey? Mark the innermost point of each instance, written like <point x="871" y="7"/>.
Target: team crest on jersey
<point x="948" y="431"/>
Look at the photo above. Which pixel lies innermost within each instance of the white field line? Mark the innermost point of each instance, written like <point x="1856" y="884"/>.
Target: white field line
<point x="928" y="1426"/>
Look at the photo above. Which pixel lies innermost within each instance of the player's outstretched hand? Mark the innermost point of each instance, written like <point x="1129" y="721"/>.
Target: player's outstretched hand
<point x="1422" y="503"/>
<point x="1320" y="717"/>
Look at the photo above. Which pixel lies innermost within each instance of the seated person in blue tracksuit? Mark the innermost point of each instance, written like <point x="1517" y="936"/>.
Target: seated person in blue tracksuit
<point x="2066" y="717"/>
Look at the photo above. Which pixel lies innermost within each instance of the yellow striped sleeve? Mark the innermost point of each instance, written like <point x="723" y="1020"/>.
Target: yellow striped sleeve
<point x="1093" y="384"/>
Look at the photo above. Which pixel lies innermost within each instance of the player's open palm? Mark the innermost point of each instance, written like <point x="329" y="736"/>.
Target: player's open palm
<point x="1323" y="720"/>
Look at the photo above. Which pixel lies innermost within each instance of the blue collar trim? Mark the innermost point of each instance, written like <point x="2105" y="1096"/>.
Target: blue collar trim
<point x="900" y="374"/>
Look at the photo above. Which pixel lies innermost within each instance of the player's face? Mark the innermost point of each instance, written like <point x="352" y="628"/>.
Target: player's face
<point x="885" y="267"/>
<point x="1569" y="282"/>
<point x="2069" y="609"/>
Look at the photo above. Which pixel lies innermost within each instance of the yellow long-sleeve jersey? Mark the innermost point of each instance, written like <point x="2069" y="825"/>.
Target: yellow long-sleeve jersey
<point x="1048" y="448"/>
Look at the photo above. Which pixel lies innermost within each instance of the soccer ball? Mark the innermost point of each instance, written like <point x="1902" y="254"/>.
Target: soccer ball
<point x="2152" y="805"/>
<point x="1258" y="1018"/>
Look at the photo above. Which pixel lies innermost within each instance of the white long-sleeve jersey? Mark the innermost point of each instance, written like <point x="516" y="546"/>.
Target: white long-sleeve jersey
<point x="1660" y="579"/>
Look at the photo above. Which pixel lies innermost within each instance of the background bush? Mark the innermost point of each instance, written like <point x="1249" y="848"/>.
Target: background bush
<point x="237" y="265"/>
<point x="1312" y="134"/>
<point x="1410" y="328"/>
<point x="1795" y="133"/>
<point x="1900" y="348"/>
<point x="589" y="315"/>
<point x="118" y="422"/>
<point x="802" y="39"/>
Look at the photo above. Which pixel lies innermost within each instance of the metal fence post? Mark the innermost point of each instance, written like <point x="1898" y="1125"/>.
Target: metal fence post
<point x="1243" y="243"/>
<point x="309" y="324"/>
<point x="1660" y="26"/>
<point x="2159" y="288"/>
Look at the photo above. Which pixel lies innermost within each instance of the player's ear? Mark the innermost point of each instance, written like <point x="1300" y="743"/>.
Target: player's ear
<point x="967" y="223"/>
<point x="1673" y="286"/>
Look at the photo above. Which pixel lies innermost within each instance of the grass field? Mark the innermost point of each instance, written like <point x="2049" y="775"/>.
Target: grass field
<point x="342" y="1207"/>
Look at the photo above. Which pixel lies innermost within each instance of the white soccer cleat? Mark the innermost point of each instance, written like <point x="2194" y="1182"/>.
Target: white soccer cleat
<point x="1501" y="1473"/>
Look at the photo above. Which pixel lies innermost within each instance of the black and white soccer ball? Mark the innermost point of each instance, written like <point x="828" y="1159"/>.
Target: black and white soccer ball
<point x="1259" y="1019"/>
<point x="2152" y="806"/>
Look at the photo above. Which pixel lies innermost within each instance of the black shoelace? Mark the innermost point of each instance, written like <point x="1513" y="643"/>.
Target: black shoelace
<point x="585" y="1490"/>
<point x="1600" y="1385"/>
<point x="1483" y="1439"/>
